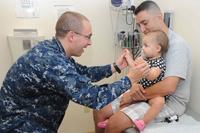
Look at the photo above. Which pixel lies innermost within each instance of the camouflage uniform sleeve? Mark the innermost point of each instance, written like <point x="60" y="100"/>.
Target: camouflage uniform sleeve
<point x="95" y="73"/>
<point x="79" y="88"/>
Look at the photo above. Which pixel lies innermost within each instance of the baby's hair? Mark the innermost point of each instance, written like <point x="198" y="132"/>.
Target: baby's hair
<point x="160" y="38"/>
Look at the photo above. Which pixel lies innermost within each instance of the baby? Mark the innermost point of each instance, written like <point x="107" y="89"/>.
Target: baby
<point x="155" y="45"/>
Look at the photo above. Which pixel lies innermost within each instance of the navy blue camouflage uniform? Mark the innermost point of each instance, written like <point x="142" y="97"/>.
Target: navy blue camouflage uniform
<point x="37" y="89"/>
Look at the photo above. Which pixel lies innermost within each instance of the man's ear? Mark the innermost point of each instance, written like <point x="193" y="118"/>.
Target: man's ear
<point x="70" y="36"/>
<point x="160" y="17"/>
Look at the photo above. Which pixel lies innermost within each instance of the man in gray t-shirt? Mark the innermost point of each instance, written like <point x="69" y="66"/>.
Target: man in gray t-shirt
<point x="176" y="82"/>
<point x="178" y="63"/>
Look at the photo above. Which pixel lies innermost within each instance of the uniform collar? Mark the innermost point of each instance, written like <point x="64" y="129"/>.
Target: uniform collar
<point x="60" y="47"/>
<point x="58" y="43"/>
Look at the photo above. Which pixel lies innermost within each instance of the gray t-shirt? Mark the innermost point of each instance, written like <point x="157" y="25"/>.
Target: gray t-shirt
<point x="178" y="63"/>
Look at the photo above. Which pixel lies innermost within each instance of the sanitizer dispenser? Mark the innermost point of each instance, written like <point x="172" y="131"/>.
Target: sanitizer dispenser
<point x="22" y="41"/>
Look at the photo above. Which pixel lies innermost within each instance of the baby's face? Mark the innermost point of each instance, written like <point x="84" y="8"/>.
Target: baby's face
<point x="150" y="48"/>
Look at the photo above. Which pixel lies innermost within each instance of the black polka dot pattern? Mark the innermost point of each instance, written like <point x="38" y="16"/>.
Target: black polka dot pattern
<point x="159" y="62"/>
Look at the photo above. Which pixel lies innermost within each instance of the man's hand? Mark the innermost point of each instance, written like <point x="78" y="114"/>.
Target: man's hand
<point x="137" y="93"/>
<point x="126" y="100"/>
<point x="137" y="71"/>
<point x="121" y="61"/>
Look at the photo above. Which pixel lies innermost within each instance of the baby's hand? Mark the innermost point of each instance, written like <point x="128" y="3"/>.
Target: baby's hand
<point x="129" y="59"/>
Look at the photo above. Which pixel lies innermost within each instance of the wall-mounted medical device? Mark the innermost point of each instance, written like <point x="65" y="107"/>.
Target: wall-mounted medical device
<point x="168" y="18"/>
<point x="125" y="7"/>
<point x="123" y="4"/>
<point x="130" y="40"/>
<point x="22" y="41"/>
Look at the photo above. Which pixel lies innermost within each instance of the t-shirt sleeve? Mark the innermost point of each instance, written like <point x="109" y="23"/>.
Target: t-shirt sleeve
<point x="177" y="61"/>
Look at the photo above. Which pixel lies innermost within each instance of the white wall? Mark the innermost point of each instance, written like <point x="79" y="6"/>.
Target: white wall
<point x="44" y="24"/>
<point x="186" y="23"/>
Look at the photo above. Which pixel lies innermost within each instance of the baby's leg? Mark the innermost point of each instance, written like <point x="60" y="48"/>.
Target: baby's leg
<point x="156" y="105"/>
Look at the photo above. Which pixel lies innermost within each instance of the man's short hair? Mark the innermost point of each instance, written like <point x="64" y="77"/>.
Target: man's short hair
<point x="147" y="5"/>
<point x="69" y="21"/>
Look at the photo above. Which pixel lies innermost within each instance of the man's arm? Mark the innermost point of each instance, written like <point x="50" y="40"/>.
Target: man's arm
<point x="162" y="88"/>
<point x="97" y="73"/>
<point x="77" y="87"/>
<point x="165" y="87"/>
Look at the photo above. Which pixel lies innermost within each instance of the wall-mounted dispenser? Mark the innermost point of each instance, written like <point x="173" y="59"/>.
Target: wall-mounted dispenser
<point x="168" y="18"/>
<point x="22" y="41"/>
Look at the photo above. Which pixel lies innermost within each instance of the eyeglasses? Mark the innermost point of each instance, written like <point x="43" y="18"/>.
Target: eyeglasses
<point x="86" y="36"/>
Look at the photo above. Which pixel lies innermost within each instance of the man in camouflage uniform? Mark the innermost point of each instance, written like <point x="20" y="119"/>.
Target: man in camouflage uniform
<point x="37" y="88"/>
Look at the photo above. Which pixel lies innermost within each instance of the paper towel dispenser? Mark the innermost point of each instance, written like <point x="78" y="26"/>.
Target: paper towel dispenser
<point x="19" y="45"/>
<point x="22" y="41"/>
